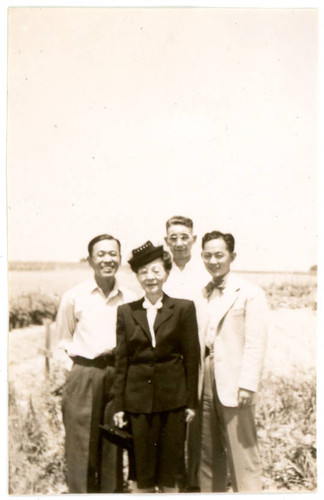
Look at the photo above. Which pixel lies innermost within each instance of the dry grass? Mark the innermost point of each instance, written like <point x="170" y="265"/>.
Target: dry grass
<point x="36" y="442"/>
<point x="286" y="412"/>
<point x="287" y="433"/>
<point x="286" y="430"/>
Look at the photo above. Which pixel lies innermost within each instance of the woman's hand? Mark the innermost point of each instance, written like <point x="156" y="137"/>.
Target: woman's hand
<point x="190" y="415"/>
<point x="119" y="419"/>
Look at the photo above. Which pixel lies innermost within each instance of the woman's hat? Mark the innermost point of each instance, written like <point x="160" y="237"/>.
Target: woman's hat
<point x="145" y="254"/>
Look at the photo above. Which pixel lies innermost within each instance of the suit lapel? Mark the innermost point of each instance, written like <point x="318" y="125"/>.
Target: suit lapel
<point x="139" y="315"/>
<point x="226" y="301"/>
<point x="164" y="313"/>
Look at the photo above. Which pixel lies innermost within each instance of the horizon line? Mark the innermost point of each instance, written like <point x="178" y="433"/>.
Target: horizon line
<point x="83" y="261"/>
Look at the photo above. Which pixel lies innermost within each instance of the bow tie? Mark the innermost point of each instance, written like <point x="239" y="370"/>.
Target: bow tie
<point x="148" y="305"/>
<point x="219" y="285"/>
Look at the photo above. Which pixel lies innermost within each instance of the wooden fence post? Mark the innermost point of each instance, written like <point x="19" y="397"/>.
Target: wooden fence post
<point x="47" y="351"/>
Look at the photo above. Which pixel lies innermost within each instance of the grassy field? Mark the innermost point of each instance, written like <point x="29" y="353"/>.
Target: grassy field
<point x="56" y="280"/>
<point x="286" y="412"/>
<point x="35" y="294"/>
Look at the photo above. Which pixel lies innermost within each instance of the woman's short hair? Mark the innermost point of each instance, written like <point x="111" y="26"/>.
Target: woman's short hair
<point x="215" y="235"/>
<point x="166" y="260"/>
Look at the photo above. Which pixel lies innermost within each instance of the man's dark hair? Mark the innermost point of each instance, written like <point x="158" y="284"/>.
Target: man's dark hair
<point x="100" y="238"/>
<point x="179" y="219"/>
<point x="215" y="235"/>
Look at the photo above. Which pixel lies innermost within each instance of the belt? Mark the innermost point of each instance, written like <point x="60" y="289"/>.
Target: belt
<point x="99" y="362"/>
<point x="209" y="352"/>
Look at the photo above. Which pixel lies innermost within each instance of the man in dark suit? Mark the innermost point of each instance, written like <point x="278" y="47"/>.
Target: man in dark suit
<point x="157" y="359"/>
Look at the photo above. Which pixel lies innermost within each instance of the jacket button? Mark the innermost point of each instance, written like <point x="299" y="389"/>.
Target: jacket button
<point x="149" y="381"/>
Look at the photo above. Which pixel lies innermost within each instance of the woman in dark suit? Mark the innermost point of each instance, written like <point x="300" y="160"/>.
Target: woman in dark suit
<point x="157" y="359"/>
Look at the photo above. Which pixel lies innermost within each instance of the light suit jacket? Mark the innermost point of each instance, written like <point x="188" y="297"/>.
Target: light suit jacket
<point x="240" y="321"/>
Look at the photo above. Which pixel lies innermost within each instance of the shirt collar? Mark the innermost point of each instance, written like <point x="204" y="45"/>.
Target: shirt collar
<point x="148" y="305"/>
<point x="190" y="264"/>
<point x="93" y="286"/>
<point x="226" y="279"/>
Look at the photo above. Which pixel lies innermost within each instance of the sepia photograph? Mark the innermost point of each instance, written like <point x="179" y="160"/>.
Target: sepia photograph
<point x="161" y="248"/>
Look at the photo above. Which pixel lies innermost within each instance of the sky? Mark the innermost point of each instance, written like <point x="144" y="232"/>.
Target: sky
<point x="118" y="118"/>
<point x="113" y="120"/>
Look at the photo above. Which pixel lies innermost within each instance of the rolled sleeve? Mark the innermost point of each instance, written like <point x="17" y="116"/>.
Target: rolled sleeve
<point x="65" y="320"/>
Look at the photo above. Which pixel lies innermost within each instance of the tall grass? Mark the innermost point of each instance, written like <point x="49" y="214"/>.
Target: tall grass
<point x="36" y="441"/>
<point x="31" y="309"/>
<point x="286" y="420"/>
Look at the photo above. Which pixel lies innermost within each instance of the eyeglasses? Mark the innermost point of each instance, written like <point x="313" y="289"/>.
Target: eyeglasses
<point x="155" y="271"/>
<point x="183" y="237"/>
<point x="207" y="256"/>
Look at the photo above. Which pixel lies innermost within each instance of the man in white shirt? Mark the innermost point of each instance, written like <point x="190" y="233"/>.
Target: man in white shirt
<point x="188" y="275"/>
<point x="86" y="323"/>
<point x="186" y="280"/>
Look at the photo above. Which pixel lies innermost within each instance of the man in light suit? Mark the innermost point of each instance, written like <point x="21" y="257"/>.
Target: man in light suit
<point x="234" y="335"/>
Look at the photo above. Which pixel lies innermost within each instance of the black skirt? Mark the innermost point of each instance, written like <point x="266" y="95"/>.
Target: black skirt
<point x="158" y="440"/>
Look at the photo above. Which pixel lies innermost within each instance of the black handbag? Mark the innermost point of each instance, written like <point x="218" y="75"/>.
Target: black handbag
<point x="117" y="436"/>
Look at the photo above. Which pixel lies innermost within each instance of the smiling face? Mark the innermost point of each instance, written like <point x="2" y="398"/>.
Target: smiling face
<point x="152" y="277"/>
<point x="217" y="258"/>
<point x="105" y="259"/>
<point x="180" y="240"/>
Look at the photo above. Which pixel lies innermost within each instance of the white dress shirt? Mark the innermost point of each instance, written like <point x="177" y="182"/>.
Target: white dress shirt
<point x="86" y="320"/>
<point x="187" y="283"/>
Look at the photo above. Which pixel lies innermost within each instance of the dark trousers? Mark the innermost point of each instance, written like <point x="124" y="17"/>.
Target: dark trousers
<point x="93" y="464"/>
<point x="228" y="438"/>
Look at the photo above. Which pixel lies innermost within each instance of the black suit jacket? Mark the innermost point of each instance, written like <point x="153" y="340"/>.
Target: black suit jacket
<point x="156" y="379"/>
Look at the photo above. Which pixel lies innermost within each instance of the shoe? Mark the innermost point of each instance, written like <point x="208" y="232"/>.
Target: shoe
<point x="192" y="489"/>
